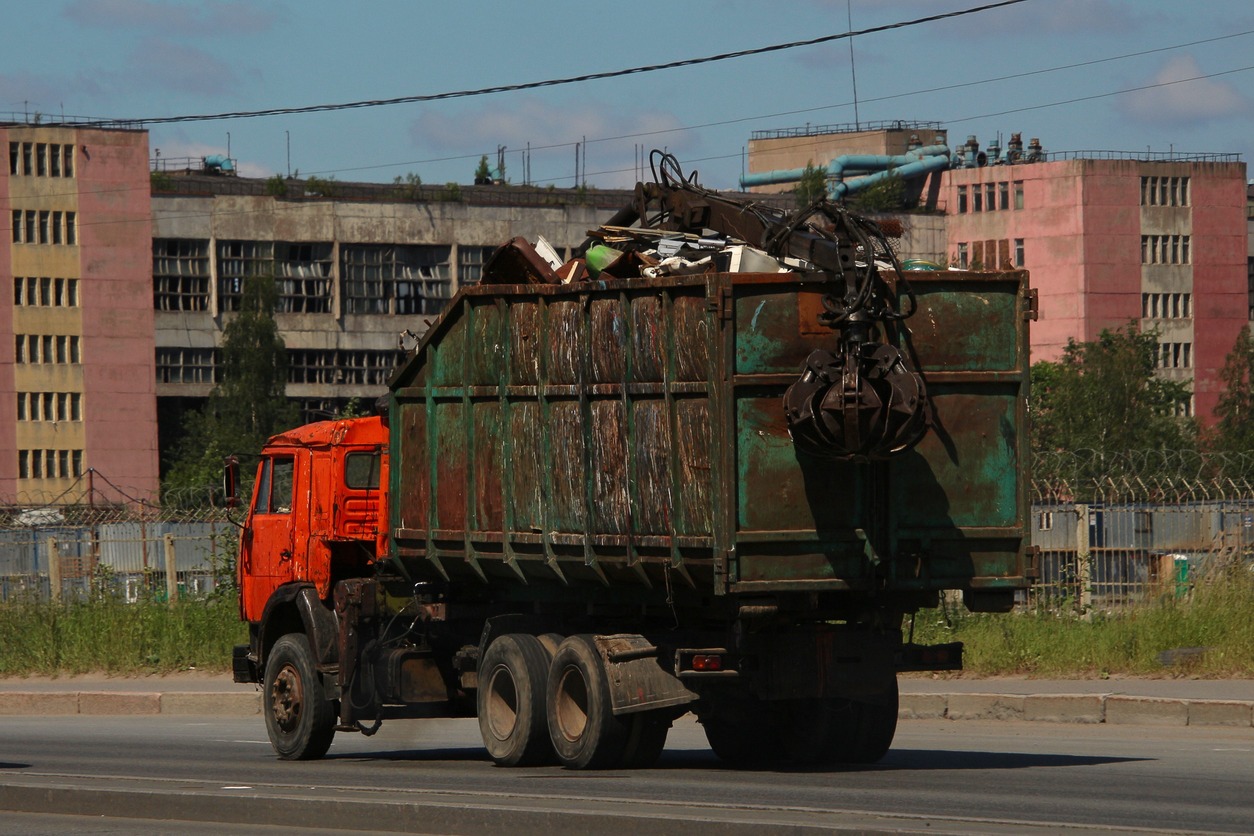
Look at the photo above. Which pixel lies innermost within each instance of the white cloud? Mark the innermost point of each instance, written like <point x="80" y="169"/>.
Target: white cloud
<point x="1179" y="101"/>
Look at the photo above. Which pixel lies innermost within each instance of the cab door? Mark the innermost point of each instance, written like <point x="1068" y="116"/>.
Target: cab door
<point x="268" y="546"/>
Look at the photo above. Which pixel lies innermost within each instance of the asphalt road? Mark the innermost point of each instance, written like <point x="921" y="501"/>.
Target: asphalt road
<point x="156" y="774"/>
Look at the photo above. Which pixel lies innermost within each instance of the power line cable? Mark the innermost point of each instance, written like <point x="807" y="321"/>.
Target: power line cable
<point x="740" y="119"/>
<point x="554" y="82"/>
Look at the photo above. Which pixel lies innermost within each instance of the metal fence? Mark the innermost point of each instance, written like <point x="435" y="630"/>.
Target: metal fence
<point x="1115" y="555"/>
<point x="135" y="559"/>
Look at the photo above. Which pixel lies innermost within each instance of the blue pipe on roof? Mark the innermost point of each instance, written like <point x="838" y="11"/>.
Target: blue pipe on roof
<point x="903" y="165"/>
<point x="918" y="168"/>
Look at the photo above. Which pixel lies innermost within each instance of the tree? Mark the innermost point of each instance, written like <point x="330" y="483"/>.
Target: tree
<point x="1234" y="429"/>
<point x="811" y="186"/>
<point x="1105" y="396"/>
<point x="483" y="174"/>
<point x="886" y="195"/>
<point x="248" y="405"/>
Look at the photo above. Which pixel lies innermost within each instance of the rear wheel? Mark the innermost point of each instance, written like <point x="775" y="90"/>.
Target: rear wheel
<point x="873" y="728"/>
<point x="582" y="725"/>
<point x="646" y="738"/>
<point x="300" y="720"/>
<point x="744" y="732"/>
<point x="511" y="709"/>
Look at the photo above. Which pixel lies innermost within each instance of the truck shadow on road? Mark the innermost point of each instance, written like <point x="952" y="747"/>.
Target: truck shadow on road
<point x="914" y="760"/>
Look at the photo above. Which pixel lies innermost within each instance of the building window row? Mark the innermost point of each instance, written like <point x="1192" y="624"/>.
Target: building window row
<point x="1166" y="306"/>
<point x="1175" y="356"/>
<point x="41" y="159"/>
<point x="47" y="349"/>
<point x="49" y="406"/>
<point x="186" y="365"/>
<point x="375" y="279"/>
<point x="990" y="197"/>
<point x="1165" y="249"/>
<point x="990" y="255"/>
<point x="44" y="226"/>
<point x="330" y="366"/>
<point x="45" y="292"/>
<point x="49" y="464"/>
<point x="1164" y="191"/>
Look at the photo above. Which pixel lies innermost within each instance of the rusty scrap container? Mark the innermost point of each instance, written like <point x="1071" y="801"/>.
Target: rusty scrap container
<point x="627" y="438"/>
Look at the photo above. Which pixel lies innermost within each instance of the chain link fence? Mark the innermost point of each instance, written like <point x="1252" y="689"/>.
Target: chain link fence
<point x="136" y="551"/>
<point x="1110" y="532"/>
<point x="1127" y="529"/>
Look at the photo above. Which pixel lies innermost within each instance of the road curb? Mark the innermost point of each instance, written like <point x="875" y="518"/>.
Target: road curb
<point x="1112" y="709"/>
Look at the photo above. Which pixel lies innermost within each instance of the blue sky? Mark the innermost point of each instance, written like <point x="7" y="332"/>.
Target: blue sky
<point x="139" y="59"/>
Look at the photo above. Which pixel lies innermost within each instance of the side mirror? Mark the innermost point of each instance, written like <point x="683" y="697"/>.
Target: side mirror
<point x="230" y="481"/>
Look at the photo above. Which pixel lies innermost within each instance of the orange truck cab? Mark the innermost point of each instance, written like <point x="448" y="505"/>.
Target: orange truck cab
<point x="319" y="510"/>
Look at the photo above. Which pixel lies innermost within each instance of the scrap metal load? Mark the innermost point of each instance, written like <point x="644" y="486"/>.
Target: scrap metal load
<point x="861" y="399"/>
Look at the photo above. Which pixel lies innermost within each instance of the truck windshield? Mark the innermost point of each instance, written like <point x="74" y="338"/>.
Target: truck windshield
<point x="274" y="489"/>
<point x="361" y="471"/>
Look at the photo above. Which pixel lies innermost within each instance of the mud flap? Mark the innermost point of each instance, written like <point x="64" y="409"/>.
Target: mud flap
<point x="637" y="679"/>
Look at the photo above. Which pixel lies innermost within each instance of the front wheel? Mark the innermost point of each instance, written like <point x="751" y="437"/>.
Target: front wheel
<point x="300" y="720"/>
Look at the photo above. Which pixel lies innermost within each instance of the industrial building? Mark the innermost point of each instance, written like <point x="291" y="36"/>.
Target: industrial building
<point x="361" y="271"/>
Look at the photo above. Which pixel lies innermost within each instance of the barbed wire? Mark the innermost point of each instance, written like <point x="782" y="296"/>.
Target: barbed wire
<point x="1163" y="476"/>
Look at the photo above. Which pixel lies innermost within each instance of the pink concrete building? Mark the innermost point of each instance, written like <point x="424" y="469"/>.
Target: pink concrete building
<point x="1159" y="242"/>
<point x="77" y="394"/>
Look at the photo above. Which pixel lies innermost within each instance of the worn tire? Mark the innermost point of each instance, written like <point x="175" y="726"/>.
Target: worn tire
<point x="646" y="738"/>
<point x="300" y="720"/>
<point x="511" y="701"/>
<point x="806" y="728"/>
<point x="743" y="739"/>
<point x="582" y="725"/>
<point x="875" y="728"/>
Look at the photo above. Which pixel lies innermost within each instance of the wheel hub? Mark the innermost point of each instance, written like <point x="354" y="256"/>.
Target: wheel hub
<point x="287" y="698"/>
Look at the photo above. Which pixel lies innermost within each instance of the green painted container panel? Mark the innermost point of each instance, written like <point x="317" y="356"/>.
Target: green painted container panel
<point x="611" y="432"/>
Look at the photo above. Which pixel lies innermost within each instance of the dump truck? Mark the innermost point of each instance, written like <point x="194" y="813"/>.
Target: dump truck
<point x="716" y="462"/>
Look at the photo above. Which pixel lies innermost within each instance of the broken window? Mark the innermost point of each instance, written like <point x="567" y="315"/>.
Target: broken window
<point x="180" y="274"/>
<point x="237" y="261"/>
<point x="186" y="365"/>
<point x="394" y="279"/>
<point x="470" y="261"/>
<point x="342" y="367"/>
<point x="302" y="272"/>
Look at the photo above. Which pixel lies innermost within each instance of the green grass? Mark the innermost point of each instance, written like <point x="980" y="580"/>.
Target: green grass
<point x="108" y="635"/>
<point x="1216" y="616"/>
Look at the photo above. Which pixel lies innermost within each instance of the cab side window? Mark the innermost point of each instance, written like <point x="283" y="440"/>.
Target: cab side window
<point x="361" y="471"/>
<point x="274" y="488"/>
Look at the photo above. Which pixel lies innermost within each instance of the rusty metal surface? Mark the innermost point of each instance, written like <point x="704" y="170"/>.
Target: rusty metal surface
<point x="631" y="434"/>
